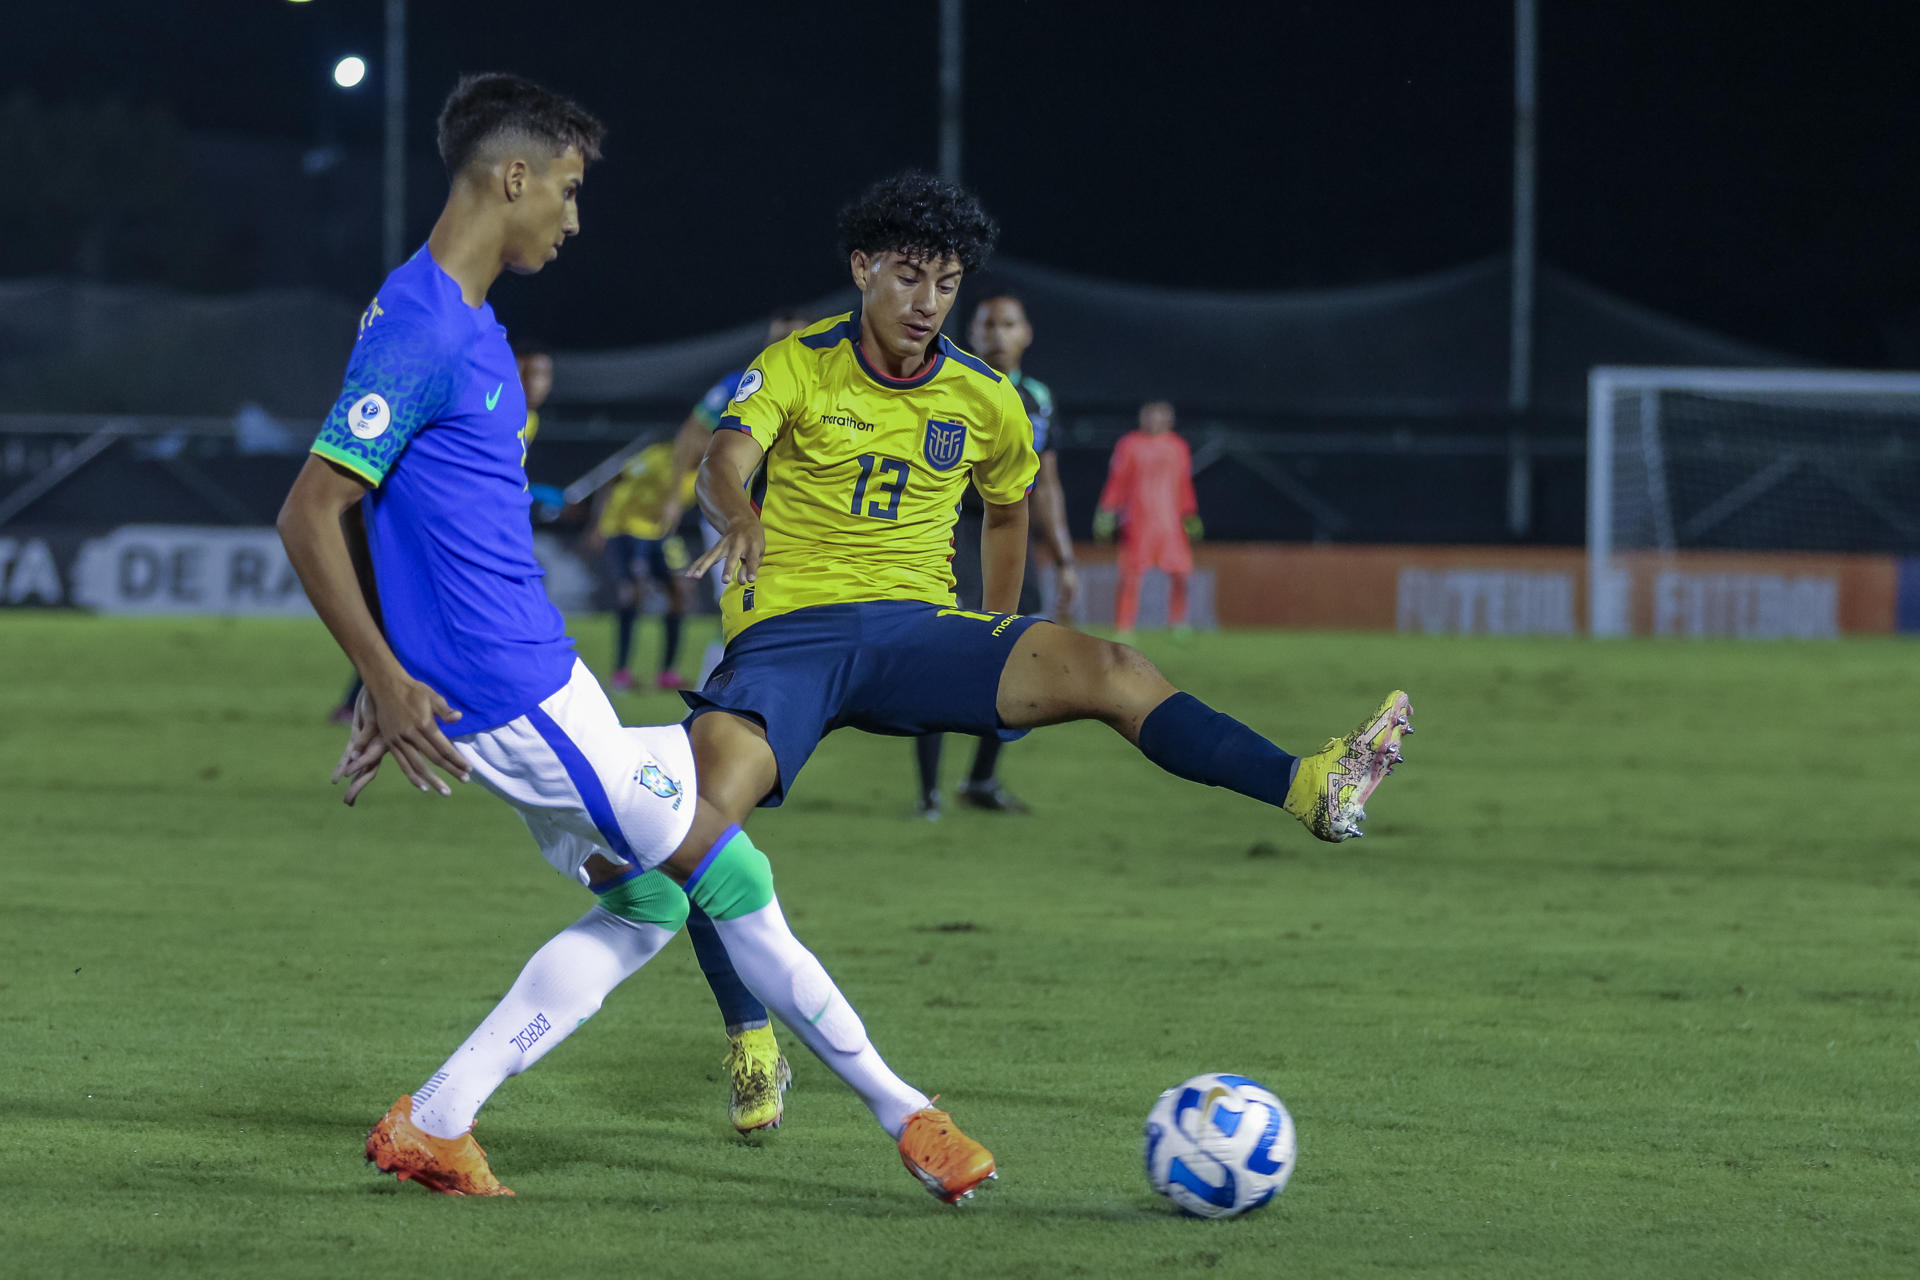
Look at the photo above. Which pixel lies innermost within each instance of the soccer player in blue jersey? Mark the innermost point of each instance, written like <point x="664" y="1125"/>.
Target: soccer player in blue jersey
<point x="469" y="670"/>
<point x="863" y="429"/>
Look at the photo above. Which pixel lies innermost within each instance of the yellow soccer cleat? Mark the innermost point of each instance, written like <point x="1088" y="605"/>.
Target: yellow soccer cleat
<point x="760" y="1078"/>
<point x="1330" y="789"/>
<point x="452" y="1166"/>
<point x="947" y="1161"/>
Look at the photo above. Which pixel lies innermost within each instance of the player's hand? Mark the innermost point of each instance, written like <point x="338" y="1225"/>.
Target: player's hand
<point x="1066" y="590"/>
<point x="404" y="713"/>
<point x="1104" y="524"/>
<point x="738" y="551"/>
<point x="1195" y="530"/>
<point x="594" y="540"/>
<point x="360" y="762"/>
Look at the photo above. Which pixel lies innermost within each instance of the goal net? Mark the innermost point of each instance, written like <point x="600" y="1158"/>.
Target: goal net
<point x="1746" y="460"/>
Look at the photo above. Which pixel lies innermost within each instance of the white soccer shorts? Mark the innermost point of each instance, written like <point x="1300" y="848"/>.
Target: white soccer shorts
<point x="584" y="783"/>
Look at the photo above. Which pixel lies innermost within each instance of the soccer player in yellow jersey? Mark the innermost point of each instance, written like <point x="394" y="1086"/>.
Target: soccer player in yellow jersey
<point x="862" y="430"/>
<point x="642" y="546"/>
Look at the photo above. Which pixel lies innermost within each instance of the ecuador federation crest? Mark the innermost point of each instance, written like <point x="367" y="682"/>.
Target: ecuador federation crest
<point x="946" y="444"/>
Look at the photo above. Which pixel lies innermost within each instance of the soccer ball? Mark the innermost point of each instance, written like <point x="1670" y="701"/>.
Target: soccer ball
<point x="1219" y="1145"/>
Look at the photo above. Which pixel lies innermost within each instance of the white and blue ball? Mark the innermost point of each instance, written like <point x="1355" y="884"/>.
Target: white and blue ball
<point x="1219" y="1145"/>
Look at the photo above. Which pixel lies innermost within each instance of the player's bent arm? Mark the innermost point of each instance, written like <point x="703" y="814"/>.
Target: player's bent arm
<point x="730" y="461"/>
<point x="310" y="527"/>
<point x="353" y="523"/>
<point x="1050" y="511"/>
<point x="688" y="444"/>
<point x="1003" y="556"/>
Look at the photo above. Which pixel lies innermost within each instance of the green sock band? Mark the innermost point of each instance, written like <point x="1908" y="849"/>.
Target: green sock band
<point x="733" y="880"/>
<point x="648" y="899"/>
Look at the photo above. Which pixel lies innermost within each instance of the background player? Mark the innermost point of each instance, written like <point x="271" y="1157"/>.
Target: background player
<point x="839" y="607"/>
<point x="1149" y="494"/>
<point x="1000" y="334"/>
<point x="448" y="589"/>
<point x="641" y="546"/>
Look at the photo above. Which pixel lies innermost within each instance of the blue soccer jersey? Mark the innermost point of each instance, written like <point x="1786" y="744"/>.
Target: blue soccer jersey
<point x="713" y="405"/>
<point x="432" y="415"/>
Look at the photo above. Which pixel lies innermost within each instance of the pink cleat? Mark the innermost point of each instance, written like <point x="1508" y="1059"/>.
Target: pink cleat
<point x="670" y="679"/>
<point x="622" y="680"/>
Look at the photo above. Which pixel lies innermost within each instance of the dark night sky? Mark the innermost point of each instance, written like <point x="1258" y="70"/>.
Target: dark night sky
<point x="1745" y="166"/>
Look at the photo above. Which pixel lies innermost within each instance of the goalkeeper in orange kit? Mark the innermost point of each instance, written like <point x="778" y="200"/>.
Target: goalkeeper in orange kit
<point x="1149" y="497"/>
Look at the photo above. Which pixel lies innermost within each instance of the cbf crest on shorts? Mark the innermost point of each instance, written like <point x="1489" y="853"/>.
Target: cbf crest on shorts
<point x="655" y="780"/>
<point x="946" y="444"/>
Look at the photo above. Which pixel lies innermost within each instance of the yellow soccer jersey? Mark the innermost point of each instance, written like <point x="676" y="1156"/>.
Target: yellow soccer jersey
<point x="863" y="471"/>
<point x="634" y="504"/>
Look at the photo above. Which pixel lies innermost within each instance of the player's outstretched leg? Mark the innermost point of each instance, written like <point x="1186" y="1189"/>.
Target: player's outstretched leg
<point x="426" y="1137"/>
<point x="1057" y="674"/>
<point x="757" y="1073"/>
<point x="733" y="884"/>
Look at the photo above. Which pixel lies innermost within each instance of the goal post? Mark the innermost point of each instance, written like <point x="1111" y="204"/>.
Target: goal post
<point x="1763" y="461"/>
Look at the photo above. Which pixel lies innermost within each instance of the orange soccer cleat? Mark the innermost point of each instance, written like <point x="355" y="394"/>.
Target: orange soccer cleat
<point x="452" y="1166"/>
<point x="949" y="1162"/>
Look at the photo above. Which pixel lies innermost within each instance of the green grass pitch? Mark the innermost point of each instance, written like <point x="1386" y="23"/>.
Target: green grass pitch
<point x="1624" y="981"/>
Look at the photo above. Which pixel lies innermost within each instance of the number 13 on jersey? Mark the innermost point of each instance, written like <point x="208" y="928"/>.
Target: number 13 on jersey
<point x="885" y="504"/>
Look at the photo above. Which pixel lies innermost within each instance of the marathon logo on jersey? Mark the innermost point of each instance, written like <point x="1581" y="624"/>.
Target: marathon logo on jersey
<point x="654" y="779"/>
<point x="946" y="444"/>
<point x="750" y="382"/>
<point x="369" y="418"/>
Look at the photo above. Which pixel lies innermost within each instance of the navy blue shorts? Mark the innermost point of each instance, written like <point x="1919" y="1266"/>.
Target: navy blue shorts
<point x="628" y="555"/>
<point x="887" y="666"/>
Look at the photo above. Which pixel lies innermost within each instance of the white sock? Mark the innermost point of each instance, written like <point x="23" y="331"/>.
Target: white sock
<point x="792" y="983"/>
<point x="561" y="987"/>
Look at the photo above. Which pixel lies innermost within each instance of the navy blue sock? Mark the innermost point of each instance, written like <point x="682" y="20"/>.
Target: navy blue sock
<point x="926" y="754"/>
<point x="623" y="637"/>
<point x="738" y="1008"/>
<point x="985" y="757"/>
<point x="672" y="652"/>
<point x="1191" y="740"/>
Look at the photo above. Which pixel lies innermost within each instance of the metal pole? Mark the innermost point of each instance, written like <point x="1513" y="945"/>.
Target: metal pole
<point x="1520" y="337"/>
<point x="394" y="190"/>
<point x="951" y="12"/>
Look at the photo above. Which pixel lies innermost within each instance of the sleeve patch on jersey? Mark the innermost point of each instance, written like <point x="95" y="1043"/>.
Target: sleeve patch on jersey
<point x="370" y="417"/>
<point x="750" y="382"/>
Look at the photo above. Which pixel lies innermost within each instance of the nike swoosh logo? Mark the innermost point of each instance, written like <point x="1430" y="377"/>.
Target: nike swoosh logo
<point x="493" y="397"/>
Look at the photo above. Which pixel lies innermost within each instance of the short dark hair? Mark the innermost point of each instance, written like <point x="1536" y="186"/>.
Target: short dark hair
<point x="921" y="216"/>
<point x="994" y="291"/>
<point x="495" y="104"/>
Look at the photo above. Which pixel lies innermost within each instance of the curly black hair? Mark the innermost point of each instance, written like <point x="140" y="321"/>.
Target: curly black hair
<point x="484" y="107"/>
<point x="921" y="216"/>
